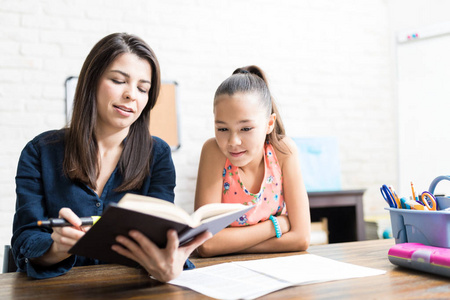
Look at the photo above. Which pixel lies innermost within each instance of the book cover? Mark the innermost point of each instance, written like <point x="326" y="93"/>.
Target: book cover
<point x="97" y="242"/>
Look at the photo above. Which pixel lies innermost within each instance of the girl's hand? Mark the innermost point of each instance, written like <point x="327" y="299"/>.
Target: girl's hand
<point x="284" y="223"/>
<point x="163" y="264"/>
<point x="63" y="239"/>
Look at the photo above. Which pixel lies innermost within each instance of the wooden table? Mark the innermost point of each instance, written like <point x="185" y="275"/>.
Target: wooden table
<point x="118" y="282"/>
<point x="344" y="211"/>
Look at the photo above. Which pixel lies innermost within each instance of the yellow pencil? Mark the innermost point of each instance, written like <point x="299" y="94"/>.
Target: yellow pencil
<point x="412" y="189"/>
<point x="396" y="198"/>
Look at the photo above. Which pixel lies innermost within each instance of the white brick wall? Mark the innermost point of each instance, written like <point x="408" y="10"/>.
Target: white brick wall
<point x="329" y="64"/>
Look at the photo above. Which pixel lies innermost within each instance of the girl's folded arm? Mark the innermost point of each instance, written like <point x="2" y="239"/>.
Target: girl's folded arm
<point x="237" y="239"/>
<point x="296" y="199"/>
<point x="291" y="241"/>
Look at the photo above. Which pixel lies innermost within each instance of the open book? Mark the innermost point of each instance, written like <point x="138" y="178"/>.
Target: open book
<point x="153" y="217"/>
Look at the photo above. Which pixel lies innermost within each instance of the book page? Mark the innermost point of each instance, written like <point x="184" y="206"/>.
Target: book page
<point x="156" y="207"/>
<point x="211" y="210"/>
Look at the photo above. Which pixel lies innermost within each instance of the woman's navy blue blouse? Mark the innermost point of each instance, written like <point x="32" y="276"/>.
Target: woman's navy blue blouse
<point x="42" y="190"/>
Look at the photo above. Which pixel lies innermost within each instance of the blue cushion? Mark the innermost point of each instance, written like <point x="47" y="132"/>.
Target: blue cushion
<point x="319" y="162"/>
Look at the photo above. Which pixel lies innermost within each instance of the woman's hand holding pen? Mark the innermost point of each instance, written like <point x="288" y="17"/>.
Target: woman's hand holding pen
<point x="163" y="264"/>
<point x="63" y="239"/>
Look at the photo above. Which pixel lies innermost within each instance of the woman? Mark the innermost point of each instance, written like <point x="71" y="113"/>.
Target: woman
<point x="106" y="151"/>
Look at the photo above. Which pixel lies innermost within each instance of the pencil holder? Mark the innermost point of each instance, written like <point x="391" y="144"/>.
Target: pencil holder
<point x="426" y="227"/>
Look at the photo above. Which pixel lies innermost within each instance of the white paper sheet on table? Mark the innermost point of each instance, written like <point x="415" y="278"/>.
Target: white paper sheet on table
<point x="307" y="268"/>
<point x="255" y="278"/>
<point x="229" y="281"/>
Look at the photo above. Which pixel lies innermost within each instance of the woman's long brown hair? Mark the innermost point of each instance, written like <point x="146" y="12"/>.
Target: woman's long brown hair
<point x="81" y="149"/>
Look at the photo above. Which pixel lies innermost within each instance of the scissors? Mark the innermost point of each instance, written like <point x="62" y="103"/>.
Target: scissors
<point x="396" y="197"/>
<point x="389" y="197"/>
<point x="429" y="200"/>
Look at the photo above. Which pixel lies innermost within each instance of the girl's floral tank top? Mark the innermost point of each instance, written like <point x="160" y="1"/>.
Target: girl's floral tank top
<point x="268" y="201"/>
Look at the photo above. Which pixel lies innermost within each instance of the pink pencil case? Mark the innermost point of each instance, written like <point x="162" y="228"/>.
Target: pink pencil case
<point x="417" y="256"/>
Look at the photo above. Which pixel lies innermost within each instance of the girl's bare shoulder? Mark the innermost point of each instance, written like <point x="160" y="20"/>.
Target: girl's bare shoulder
<point x="289" y="150"/>
<point x="212" y="153"/>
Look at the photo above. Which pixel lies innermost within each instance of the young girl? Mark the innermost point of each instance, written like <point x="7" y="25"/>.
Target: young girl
<point x="250" y="161"/>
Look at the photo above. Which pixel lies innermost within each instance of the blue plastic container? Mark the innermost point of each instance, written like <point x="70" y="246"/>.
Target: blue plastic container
<point x="426" y="227"/>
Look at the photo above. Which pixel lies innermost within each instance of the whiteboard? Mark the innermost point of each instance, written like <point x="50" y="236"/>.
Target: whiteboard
<point x="423" y="112"/>
<point x="163" y="117"/>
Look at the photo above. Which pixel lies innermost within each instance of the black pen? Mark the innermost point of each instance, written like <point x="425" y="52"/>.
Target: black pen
<point x="60" y="222"/>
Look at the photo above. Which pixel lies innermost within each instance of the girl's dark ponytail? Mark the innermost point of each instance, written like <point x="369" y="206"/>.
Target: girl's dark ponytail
<point x="243" y="80"/>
